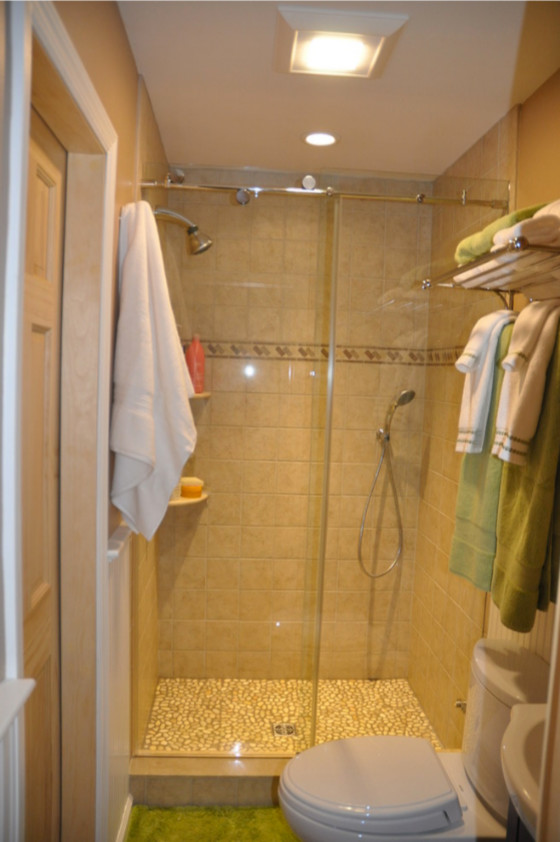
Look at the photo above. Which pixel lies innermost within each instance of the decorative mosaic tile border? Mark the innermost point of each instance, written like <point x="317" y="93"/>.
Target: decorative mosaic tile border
<point x="228" y="350"/>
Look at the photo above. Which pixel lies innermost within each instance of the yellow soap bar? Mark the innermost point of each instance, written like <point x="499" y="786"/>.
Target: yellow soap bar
<point x="191" y="487"/>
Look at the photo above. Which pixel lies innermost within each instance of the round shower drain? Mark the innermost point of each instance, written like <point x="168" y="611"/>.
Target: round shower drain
<point x="284" y="729"/>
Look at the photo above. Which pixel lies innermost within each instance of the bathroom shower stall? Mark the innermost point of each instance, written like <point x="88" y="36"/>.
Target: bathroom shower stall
<point x="257" y="632"/>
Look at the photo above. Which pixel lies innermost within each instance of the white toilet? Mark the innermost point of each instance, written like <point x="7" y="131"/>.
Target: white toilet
<point x="399" y="789"/>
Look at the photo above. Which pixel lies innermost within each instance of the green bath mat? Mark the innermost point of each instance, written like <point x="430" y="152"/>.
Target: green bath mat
<point x="208" y="824"/>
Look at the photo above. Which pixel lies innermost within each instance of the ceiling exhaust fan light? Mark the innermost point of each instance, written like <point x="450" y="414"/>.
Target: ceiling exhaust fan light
<point x="331" y="41"/>
<point x="330" y="54"/>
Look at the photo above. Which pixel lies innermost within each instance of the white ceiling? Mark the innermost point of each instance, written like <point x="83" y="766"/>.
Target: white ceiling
<point x="455" y="69"/>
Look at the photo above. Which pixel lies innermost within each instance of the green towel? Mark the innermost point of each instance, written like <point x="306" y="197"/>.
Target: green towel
<point x="548" y="590"/>
<point x="481" y="242"/>
<point x="474" y="541"/>
<point x="523" y="575"/>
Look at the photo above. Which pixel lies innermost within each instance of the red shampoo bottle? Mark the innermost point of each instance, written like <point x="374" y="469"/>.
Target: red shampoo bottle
<point x="195" y="364"/>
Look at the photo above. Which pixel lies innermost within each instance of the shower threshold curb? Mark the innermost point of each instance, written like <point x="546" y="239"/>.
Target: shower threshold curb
<point x="207" y="766"/>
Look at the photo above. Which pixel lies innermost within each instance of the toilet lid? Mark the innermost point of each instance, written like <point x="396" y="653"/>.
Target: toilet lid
<point x="382" y="784"/>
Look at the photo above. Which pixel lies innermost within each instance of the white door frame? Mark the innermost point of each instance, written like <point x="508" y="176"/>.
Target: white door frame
<point x="25" y="20"/>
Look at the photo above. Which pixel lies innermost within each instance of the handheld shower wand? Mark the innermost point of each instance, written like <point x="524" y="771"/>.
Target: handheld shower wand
<point x="405" y="397"/>
<point x="384" y="438"/>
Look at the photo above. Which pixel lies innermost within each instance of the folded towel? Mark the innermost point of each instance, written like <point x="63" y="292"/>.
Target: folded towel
<point x="474" y="540"/>
<point x="522" y="390"/>
<point x="477" y="361"/>
<point x="477" y="244"/>
<point x="152" y="429"/>
<point x="551" y="208"/>
<point x="504" y="265"/>
<point x="540" y="230"/>
<point x="524" y="517"/>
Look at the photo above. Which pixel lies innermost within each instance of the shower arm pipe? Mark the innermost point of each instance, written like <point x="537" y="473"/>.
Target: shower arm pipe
<point x="417" y="199"/>
<point x="177" y="218"/>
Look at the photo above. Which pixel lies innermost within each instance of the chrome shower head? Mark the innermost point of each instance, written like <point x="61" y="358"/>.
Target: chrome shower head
<point x="403" y="398"/>
<point x="197" y="242"/>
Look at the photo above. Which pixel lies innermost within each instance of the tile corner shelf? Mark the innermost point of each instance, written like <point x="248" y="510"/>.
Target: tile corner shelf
<point x="189" y="501"/>
<point x="198" y="396"/>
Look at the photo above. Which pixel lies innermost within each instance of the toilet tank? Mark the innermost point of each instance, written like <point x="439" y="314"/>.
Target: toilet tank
<point x="503" y="674"/>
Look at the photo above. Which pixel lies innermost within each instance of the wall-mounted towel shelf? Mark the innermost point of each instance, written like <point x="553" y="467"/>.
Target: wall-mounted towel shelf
<point x="520" y="266"/>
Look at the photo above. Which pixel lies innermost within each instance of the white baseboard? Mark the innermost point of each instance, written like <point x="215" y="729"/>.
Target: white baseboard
<point x="123" y="827"/>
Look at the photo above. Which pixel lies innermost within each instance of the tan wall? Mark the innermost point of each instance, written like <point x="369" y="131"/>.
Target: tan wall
<point x="151" y="162"/>
<point x="539" y="128"/>
<point x="381" y="341"/>
<point x="97" y="33"/>
<point x="233" y="574"/>
<point x="232" y="571"/>
<point x="449" y="614"/>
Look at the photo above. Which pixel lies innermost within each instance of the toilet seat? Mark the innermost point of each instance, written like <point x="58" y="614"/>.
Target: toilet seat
<point x="372" y="785"/>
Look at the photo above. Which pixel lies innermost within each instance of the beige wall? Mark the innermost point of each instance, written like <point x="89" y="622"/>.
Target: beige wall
<point x="449" y="613"/>
<point x="151" y="162"/>
<point x="99" y="37"/>
<point x="381" y="341"/>
<point x="233" y="573"/>
<point x="98" y="34"/>
<point x="539" y="127"/>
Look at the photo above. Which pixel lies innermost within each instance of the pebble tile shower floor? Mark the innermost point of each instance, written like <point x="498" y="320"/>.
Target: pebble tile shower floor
<point x="251" y="717"/>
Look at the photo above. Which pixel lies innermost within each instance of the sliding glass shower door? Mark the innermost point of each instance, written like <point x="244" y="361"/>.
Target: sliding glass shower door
<point x="238" y="575"/>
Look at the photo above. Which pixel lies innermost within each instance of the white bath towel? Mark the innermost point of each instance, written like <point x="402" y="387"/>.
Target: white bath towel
<point x="539" y="230"/>
<point x="478" y="363"/>
<point x="527" y="333"/>
<point x="552" y="208"/>
<point x="152" y="428"/>
<point x="524" y="380"/>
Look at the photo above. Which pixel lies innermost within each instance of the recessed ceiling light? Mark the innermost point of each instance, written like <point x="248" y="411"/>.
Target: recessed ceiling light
<point x="334" y="43"/>
<point x="320" y="139"/>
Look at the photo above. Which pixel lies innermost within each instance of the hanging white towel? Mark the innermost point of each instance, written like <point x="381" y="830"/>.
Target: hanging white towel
<point x="478" y="363"/>
<point x="532" y="343"/>
<point x="527" y="333"/>
<point x="152" y="428"/>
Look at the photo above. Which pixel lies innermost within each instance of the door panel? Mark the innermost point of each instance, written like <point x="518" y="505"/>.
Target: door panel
<point x="40" y="478"/>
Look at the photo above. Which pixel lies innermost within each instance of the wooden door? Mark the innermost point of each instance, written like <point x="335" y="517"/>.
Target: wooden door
<point x="40" y="479"/>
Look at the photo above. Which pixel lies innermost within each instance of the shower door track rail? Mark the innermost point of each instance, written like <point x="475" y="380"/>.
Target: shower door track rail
<point x="418" y="199"/>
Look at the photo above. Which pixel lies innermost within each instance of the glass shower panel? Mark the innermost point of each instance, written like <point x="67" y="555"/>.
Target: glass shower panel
<point x="380" y="351"/>
<point x="238" y="574"/>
